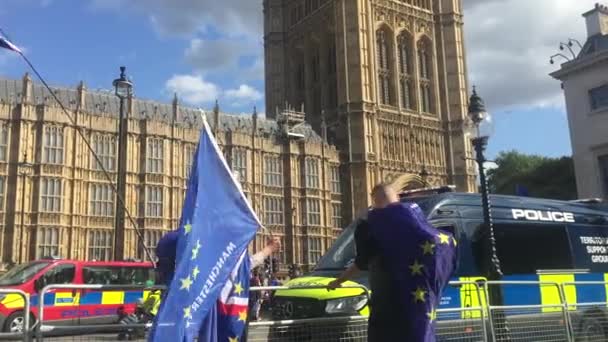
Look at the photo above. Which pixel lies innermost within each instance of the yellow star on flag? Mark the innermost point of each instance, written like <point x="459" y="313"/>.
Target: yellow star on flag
<point x="195" y="272"/>
<point x="419" y="295"/>
<point x="233" y="339"/>
<point x="187" y="228"/>
<point x="455" y="242"/>
<point x="432" y="315"/>
<point x="195" y="250"/>
<point x="187" y="313"/>
<point x="444" y="239"/>
<point x="186" y="282"/>
<point x="238" y="288"/>
<point x="428" y="248"/>
<point x="416" y="268"/>
<point x="243" y="316"/>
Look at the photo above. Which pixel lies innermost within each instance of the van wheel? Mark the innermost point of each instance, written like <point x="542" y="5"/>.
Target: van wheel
<point x="592" y="328"/>
<point x="14" y="322"/>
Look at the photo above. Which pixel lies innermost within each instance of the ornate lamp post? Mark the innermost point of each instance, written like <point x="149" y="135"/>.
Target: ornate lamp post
<point x="482" y="129"/>
<point x="123" y="90"/>
<point x="24" y="170"/>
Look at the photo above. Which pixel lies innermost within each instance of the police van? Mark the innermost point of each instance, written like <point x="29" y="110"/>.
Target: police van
<point x="537" y="240"/>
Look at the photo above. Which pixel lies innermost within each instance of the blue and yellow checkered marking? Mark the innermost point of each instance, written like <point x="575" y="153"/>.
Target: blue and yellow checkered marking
<point x="14" y="301"/>
<point x="520" y="294"/>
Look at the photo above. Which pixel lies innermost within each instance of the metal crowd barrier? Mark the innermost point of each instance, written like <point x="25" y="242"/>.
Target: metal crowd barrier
<point x="464" y="323"/>
<point x="322" y="329"/>
<point x="46" y="331"/>
<point x="588" y="319"/>
<point x="457" y="324"/>
<point x="24" y="334"/>
<point x="530" y="322"/>
<point x="555" y="322"/>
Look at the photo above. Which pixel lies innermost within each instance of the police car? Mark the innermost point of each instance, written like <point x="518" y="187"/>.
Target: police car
<point x="537" y="240"/>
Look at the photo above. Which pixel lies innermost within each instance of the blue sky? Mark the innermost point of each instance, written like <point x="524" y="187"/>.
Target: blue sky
<point x="205" y="50"/>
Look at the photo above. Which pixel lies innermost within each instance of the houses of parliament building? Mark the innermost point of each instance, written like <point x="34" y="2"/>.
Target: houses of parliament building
<point x="357" y="92"/>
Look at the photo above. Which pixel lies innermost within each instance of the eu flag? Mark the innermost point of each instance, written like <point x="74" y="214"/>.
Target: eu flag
<point x="420" y="259"/>
<point x="216" y="226"/>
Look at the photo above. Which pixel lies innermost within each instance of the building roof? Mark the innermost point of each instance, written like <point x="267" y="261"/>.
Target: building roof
<point x="105" y="103"/>
<point x="595" y="43"/>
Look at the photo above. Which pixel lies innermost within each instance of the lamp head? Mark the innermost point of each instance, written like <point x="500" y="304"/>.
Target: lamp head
<point x="123" y="88"/>
<point x="481" y="122"/>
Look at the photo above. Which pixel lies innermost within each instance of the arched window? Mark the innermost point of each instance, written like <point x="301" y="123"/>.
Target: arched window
<point x="425" y="67"/>
<point x="383" y="56"/>
<point x="406" y="91"/>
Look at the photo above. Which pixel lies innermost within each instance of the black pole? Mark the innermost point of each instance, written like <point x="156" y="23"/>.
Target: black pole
<point x="121" y="179"/>
<point x="22" y="232"/>
<point x="492" y="270"/>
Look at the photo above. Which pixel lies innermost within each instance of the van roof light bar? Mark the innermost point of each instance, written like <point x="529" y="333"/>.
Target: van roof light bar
<point x="432" y="190"/>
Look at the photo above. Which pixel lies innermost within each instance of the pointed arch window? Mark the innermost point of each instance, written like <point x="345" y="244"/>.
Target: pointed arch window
<point x="425" y="67"/>
<point x="383" y="54"/>
<point x="406" y="90"/>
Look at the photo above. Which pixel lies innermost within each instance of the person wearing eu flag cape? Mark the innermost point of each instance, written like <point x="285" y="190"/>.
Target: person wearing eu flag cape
<point x="205" y="262"/>
<point x="409" y="261"/>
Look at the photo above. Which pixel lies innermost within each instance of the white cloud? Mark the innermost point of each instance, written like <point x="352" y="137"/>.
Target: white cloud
<point x="509" y="43"/>
<point x="216" y="55"/>
<point x="243" y="94"/>
<point x="185" y="17"/>
<point x="193" y="89"/>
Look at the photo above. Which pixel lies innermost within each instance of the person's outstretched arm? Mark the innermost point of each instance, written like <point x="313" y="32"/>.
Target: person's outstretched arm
<point x="349" y="273"/>
<point x="272" y="246"/>
<point x="364" y="253"/>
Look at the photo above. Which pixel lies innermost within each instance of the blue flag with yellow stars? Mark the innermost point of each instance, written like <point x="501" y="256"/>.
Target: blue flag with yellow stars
<point x="216" y="226"/>
<point x="228" y="321"/>
<point x="420" y="259"/>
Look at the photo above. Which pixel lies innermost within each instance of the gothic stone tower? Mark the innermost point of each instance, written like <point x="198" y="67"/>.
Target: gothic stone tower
<point x="383" y="80"/>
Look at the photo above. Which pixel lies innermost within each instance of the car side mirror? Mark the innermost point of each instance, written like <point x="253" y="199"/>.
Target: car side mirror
<point x="38" y="285"/>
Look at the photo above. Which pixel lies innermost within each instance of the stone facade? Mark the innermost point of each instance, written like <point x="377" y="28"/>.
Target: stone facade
<point x="389" y="79"/>
<point x="585" y="88"/>
<point x="68" y="204"/>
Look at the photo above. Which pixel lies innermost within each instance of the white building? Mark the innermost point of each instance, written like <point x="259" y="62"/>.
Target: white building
<point x="585" y="84"/>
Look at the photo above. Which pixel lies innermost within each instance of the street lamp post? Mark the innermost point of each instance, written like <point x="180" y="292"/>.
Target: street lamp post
<point x="482" y="129"/>
<point x="24" y="170"/>
<point x="123" y="90"/>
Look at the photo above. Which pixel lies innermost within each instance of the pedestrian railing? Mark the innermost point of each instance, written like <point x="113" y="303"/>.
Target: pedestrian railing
<point x="544" y="319"/>
<point x="588" y="318"/>
<point x="468" y="323"/>
<point x="108" y="321"/>
<point x="564" y="312"/>
<point x="18" y="323"/>
<point x="286" y="319"/>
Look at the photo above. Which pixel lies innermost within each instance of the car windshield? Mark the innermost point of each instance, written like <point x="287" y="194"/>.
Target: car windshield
<point x="22" y="273"/>
<point x="342" y="252"/>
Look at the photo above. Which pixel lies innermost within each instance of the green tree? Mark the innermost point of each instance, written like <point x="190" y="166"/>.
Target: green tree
<point x="541" y="176"/>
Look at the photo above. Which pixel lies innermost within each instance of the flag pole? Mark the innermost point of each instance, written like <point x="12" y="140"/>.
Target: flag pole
<point x="90" y="148"/>
<point x="205" y="124"/>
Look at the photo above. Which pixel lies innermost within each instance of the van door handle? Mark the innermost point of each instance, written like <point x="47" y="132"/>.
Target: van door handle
<point x="444" y="212"/>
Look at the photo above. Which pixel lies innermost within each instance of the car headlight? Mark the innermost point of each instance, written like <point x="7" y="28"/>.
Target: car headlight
<point x="346" y="305"/>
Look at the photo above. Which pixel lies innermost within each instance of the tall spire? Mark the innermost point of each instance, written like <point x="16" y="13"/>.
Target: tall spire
<point x="175" y="108"/>
<point x="216" y="117"/>
<point x="255" y="119"/>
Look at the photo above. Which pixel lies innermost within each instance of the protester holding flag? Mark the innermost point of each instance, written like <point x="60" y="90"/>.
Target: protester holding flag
<point x="415" y="262"/>
<point x="208" y="293"/>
